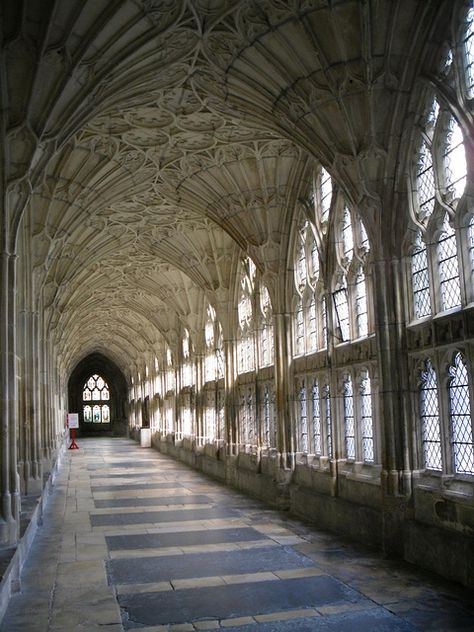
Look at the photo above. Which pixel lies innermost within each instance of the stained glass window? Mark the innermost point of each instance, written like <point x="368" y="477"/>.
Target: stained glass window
<point x="94" y="392"/>
<point x="460" y="417"/>
<point x="429" y="417"/>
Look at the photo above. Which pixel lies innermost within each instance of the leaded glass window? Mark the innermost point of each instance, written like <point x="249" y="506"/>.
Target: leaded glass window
<point x="349" y="425"/>
<point x="450" y="289"/>
<point x="361" y="321"/>
<point x="429" y="418"/>
<point x="299" y="341"/>
<point x="470" y="242"/>
<point x="460" y="417"/>
<point x="325" y="194"/>
<point x="367" y="429"/>
<point x="420" y="278"/>
<point x="328" y="419"/>
<point x="266" y="415"/>
<point x="303" y="418"/>
<point x="324" y="319"/>
<point x="425" y="182"/>
<point x="347" y="236"/>
<point x="455" y="160"/>
<point x="95" y="391"/>
<point x="341" y="306"/>
<point x="469" y="54"/>
<point x="312" y="325"/>
<point x="316" y="417"/>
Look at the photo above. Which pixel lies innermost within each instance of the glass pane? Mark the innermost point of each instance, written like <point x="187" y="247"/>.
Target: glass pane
<point x="100" y="383"/>
<point x="450" y="287"/>
<point x="96" y="414"/>
<point x="469" y="54"/>
<point x="105" y="394"/>
<point x="325" y="192"/>
<point x="455" y="160"/>
<point x="105" y="414"/>
<point x="342" y="313"/>
<point x="420" y="279"/>
<point x="303" y="419"/>
<point x="361" y="305"/>
<point x="316" y="417"/>
<point x="349" y="428"/>
<point x="95" y="394"/>
<point x="366" y="421"/>
<point x="87" y="414"/>
<point x="86" y="395"/>
<point x="328" y="419"/>
<point x="429" y="418"/>
<point x="347" y="237"/>
<point x="460" y="418"/>
<point x="425" y="181"/>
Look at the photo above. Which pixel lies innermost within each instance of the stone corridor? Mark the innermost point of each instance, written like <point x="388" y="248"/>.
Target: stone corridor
<point x="134" y="540"/>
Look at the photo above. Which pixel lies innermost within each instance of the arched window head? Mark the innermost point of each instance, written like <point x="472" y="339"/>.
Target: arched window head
<point x="94" y="393"/>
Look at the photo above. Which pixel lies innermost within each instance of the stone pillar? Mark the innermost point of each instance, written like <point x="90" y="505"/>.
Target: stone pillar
<point x="285" y="431"/>
<point x="394" y="400"/>
<point x="231" y="422"/>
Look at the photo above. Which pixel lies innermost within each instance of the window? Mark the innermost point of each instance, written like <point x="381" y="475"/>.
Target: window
<point x="440" y="180"/>
<point x="94" y="393"/>
<point x="420" y="278"/>
<point x="367" y="430"/>
<point x="429" y="418"/>
<point x="303" y="418"/>
<point x="449" y="286"/>
<point x="468" y="50"/>
<point x="460" y="417"/>
<point x="349" y="428"/>
<point x="316" y="417"/>
<point x="341" y="307"/>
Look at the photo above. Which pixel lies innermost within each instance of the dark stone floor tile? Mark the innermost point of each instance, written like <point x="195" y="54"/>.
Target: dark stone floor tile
<point x="190" y="499"/>
<point x="134" y="486"/>
<point x="222" y="602"/>
<point x="147" y="517"/>
<point x="436" y="613"/>
<point x="186" y="538"/>
<point x="164" y="568"/>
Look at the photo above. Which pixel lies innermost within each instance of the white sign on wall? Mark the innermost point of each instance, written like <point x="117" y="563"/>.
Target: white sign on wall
<point x="73" y="420"/>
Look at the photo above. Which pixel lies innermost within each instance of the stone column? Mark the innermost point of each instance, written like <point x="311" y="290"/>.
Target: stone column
<point x="394" y="400"/>
<point x="8" y="524"/>
<point x="231" y="422"/>
<point x="285" y="433"/>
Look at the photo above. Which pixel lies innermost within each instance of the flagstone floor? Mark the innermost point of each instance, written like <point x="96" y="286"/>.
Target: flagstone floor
<point x="133" y="540"/>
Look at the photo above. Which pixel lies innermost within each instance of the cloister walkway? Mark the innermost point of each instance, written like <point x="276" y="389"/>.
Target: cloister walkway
<point x="134" y="540"/>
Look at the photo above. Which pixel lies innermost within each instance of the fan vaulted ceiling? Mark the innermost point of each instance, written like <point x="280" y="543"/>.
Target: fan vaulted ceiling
<point x="153" y="142"/>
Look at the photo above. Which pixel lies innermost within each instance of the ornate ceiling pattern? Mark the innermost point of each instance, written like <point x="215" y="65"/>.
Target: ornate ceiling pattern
<point x="151" y="143"/>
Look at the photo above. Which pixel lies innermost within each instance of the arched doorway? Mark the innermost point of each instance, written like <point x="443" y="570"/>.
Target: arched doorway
<point x="97" y="391"/>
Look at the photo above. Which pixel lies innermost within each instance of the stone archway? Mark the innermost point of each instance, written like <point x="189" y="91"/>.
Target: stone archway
<point x="98" y="364"/>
